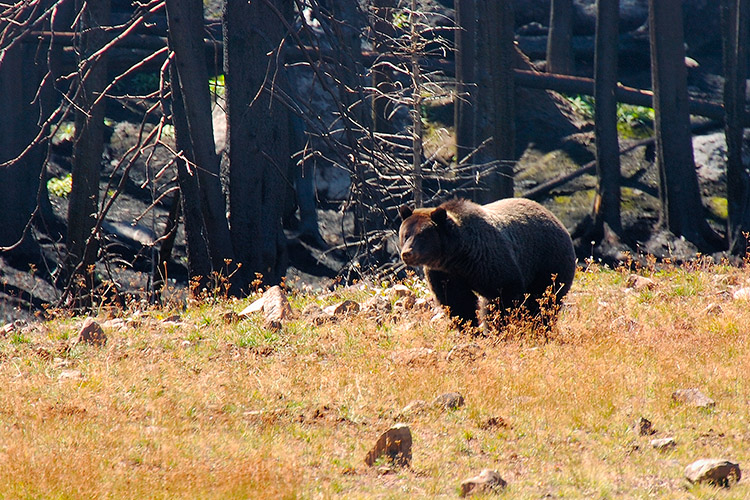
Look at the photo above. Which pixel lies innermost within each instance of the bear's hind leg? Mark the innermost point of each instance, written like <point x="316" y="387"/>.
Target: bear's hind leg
<point x="455" y="294"/>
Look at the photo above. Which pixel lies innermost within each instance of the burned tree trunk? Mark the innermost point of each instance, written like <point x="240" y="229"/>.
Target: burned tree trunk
<point x="258" y="136"/>
<point x="196" y="235"/>
<point x="735" y="20"/>
<point x="20" y="180"/>
<point x="88" y="147"/>
<point x="496" y="96"/>
<point x="464" y="102"/>
<point x="185" y="20"/>
<point x="560" y="37"/>
<point x="682" y="210"/>
<point x="607" y="201"/>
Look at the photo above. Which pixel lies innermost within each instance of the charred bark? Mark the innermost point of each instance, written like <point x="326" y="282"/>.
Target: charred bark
<point x="560" y="37"/>
<point x="735" y="20"/>
<point x="607" y="202"/>
<point x="185" y="20"/>
<point x="258" y="136"/>
<point x="496" y="95"/>
<point x="88" y="147"/>
<point x="682" y="211"/>
<point x="465" y="60"/>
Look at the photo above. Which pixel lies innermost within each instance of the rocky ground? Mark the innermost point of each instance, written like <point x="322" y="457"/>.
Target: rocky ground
<point x="368" y="391"/>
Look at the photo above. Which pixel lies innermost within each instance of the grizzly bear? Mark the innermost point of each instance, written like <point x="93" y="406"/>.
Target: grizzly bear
<point x="508" y="252"/>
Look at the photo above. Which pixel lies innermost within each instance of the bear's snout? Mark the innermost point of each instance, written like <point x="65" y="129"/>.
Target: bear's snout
<point x="407" y="256"/>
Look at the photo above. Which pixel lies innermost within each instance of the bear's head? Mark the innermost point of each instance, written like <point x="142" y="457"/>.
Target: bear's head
<point x="421" y="235"/>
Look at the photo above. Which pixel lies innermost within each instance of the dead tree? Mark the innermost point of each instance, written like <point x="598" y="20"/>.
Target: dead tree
<point x="682" y="211"/>
<point x="185" y="19"/>
<point x="24" y="99"/>
<point x="735" y="20"/>
<point x="196" y="235"/>
<point x="560" y="37"/>
<point x="465" y="99"/>
<point x="258" y="135"/>
<point x="496" y="97"/>
<point x="88" y="147"/>
<point x="382" y="83"/>
<point x="607" y="201"/>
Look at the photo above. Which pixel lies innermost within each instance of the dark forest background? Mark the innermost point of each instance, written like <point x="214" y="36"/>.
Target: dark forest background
<point x="166" y="144"/>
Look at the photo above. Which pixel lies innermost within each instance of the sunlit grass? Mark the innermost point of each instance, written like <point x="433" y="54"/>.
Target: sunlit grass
<point x="210" y="408"/>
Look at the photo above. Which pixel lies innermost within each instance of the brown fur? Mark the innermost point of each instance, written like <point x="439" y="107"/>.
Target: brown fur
<point x="503" y="251"/>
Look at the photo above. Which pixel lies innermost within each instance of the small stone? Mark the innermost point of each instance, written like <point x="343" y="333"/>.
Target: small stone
<point x="395" y="444"/>
<point x="422" y="304"/>
<point x="399" y="291"/>
<point x="493" y="422"/>
<point x="70" y="375"/>
<point x="488" y="481"/>
<point x="438" y="316"/>
<point x="256" y="306"/>
<point x="7" y="329"/>
<point x="415" y="356"/>
<point x="663" y="444"/>
<point x="175" y="318"/>
<point x="384" y="470"/>
<point x="414" y="408"/>
<point x="742" y="294"/>
<point x="640" y="283"/>
<point x="276" y="308"/>
<point x="315" y="314"/>
<point x="449" y="400"/>
<point x="405" y="303"/>
<point x="644" y="427"/>
<point x="230" y="317"/>
<point x="712" y="309"/>
<point x="115" y="324"/>
<point x="718" y="472"/>
<point x="693" y="397"/>
<point x="343" y="309"/>
<point x="464" y="352"/>
<point x="376" y="304"/>
<point x="92" y="333"/>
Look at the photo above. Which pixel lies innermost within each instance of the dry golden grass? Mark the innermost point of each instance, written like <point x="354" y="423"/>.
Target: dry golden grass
<point x="207" y="409"/>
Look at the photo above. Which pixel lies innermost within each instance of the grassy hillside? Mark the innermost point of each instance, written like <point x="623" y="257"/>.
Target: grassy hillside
<point x="204" y="406"/>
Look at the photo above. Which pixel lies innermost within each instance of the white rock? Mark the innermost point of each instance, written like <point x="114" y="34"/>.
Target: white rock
<point x="714" y="471"/>
<point x="640" y="283"/>
<point x="693" y="397"/>
<point x="487" y="481"/>
<point x="742" y="294"/>
<point x="256" y="306"/>
<point x="276" y="308"/>
<point x="663" y="443"/>
<point x="70" y="375"/>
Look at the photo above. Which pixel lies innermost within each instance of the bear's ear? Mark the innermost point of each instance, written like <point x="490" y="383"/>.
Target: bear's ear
<point x="405" y="211"/>
<point x="438" y="216"/>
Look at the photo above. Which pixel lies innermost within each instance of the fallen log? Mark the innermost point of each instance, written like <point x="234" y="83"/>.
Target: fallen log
<point x="628" y="95"/>
<point x="538" y="192"/>
<point x="542" y="189"/>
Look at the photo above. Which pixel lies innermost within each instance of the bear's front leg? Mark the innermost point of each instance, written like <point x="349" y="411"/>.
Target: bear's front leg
<point x="455" y="294"/>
